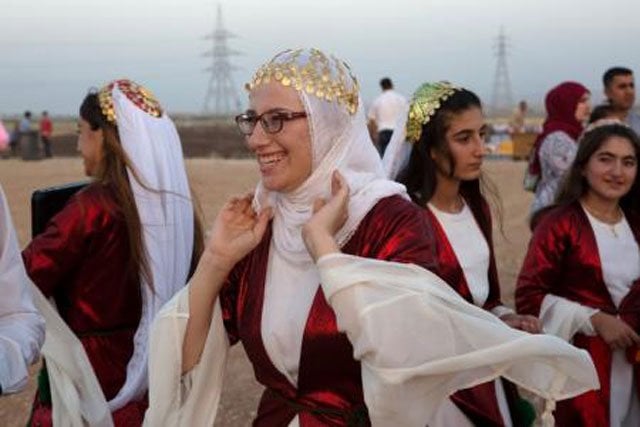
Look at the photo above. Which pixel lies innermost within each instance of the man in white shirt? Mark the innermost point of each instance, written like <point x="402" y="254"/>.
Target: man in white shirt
<point x="21" y="326"/>
<point x="384" y="113"/>
<point x="619" y="88"/>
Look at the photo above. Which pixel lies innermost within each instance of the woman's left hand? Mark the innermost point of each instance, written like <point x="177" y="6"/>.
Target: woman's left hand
<point x="522" y="322"/>
<point x="328" y="217"/>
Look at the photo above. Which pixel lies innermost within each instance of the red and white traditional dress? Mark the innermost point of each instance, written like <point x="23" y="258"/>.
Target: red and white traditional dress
<point x="96" y="346"/>
<point x="466" y="261"/>
<point x="576" y="266"/>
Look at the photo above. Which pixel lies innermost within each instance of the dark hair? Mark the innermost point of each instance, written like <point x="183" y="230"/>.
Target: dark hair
<point x="113" y="171"/>
<point x="612" y="72"/>
<point x="419" y="176"/>
<point x="386" y="83"/>
<point x="600" y="112"/>
<point x="575" y="184"/>
<point x="27" y="114"/>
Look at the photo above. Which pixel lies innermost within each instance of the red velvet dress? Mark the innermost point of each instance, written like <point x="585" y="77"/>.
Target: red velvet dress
<point x="478" y="403"/>
<point x="82" y="261"/>
<point x="329" y="391"/>
<point x="563" y="260"/>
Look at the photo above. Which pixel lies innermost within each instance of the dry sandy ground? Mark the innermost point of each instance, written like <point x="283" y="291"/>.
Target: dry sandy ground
<point x="213" y="181"/>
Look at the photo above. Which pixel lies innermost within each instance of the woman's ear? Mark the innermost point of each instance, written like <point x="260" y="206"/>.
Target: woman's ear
<point x="432" y="153"/>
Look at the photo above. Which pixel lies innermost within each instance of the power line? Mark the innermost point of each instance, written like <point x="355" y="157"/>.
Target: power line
<point x="502" y="98"/>
<point x="221" y="91"/>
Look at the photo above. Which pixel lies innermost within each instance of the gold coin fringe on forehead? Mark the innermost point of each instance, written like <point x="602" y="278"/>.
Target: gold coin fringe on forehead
<point x="426" y="100"/>
<point x="311" y="71"/>
<point x="138" y="95"/>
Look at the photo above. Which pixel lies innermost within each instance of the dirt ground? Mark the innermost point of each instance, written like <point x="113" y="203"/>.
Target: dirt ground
<point x="214" y="180"/>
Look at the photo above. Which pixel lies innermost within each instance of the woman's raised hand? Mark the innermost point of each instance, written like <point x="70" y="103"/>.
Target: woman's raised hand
<point x="236" y="231"/>
<point x="328" y="217"/>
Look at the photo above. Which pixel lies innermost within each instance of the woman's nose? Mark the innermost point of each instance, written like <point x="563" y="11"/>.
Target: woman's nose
<point x="257" y="138"/>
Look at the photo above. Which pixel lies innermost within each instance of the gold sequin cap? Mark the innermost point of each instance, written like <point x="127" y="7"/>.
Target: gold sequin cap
<point x="138" y="95"/>
<point x="310" y="70"/>
<point x="424" y="104"/>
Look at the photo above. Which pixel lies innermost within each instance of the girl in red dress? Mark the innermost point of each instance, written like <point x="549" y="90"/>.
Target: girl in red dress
<point x="443" y="176"/>
<point x="580" y="274"/>
<point x="117" y="251"/>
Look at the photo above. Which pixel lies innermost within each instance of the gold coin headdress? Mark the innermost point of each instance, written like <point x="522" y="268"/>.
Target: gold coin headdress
<point x="424" y="104"/>
<point x="138" y="95"/>
<point x="313" y="72"/>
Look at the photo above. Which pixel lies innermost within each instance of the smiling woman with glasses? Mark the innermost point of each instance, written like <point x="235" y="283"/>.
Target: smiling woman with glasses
<point x="271" y="121"/>
<point x="311" y="274"/>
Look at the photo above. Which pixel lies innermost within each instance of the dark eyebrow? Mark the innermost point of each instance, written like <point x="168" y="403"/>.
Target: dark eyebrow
<point x="610" y="154"/>
<point x="462" y="132"/>
<point x="469" y="131"/>
<point x="606" y="153"/>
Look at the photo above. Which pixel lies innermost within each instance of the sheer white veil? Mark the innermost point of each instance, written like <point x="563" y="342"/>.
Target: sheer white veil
<point x="396" y="156"/>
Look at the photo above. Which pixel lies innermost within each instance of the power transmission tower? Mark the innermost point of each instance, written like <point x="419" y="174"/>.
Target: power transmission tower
<point x="221" y="91"/>
<point x="502" y="99"/>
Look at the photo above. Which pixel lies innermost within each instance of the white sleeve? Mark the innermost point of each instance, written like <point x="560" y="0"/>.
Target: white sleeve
<point x="21" y="326"/>
<point x="564" y="318"/>
<point x="418" y="342"/>
<point x="191" y="399"/>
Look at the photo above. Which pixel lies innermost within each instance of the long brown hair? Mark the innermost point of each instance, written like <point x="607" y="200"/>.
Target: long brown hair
<point x="112" y="172"/>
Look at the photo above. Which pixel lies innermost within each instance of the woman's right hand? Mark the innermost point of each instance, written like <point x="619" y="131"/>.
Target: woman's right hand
<point x="615" y="332"/>
<point x="236" y="231"/>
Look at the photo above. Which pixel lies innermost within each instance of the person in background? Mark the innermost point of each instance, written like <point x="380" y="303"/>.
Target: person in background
<point x="25" y="123"/>
<point x="21" y="326"/>
<point x="568" y="108"/>
<point x="14" y="138"/>
<point x="517" y="122"/>
<point x="581" y="273"/>
<point x="46" y="130"/>
<point x="384" y="112"/>
<point x="620" y="91"/>
<point x="600" y="112"/>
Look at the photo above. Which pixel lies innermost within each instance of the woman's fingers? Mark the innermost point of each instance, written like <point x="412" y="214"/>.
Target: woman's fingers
<point x="339" y="186"/>
<point x="318" y="204"/>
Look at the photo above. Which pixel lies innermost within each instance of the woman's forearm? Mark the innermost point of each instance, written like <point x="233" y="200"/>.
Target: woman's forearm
<point x="204" y="288"/>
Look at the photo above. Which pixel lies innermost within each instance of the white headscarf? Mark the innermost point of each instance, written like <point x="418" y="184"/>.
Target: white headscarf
<point x="339" y="140"/>
<point x="166" y="215"/>
<point x="396" y="156"/>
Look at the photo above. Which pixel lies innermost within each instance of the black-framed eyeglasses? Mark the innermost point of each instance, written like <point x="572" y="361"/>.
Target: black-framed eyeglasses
<point x="271" y="121"/>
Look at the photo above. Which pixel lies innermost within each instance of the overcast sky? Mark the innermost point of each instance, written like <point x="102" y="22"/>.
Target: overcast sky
<point x="52" y="51"/>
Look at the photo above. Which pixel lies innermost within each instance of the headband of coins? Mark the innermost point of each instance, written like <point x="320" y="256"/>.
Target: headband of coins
<point x="604" y="122"/>
<point x="310" y="70"/>
<point x="138" y="95"/>
<point x="424" y="104"/>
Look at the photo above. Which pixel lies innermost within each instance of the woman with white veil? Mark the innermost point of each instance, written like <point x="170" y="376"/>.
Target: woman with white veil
<point x="321" y="275"/>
